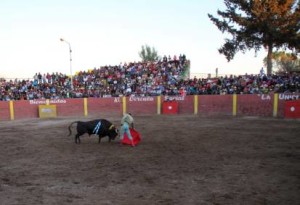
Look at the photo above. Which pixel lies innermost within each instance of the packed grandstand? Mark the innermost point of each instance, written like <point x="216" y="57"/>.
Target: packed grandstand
<point x="165" y="77"/>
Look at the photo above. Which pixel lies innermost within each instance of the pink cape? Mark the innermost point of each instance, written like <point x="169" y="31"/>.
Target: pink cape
<point x="135" y="136"/>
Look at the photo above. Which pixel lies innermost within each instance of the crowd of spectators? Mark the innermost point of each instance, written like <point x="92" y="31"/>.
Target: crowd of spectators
<point x="168" y="76"/>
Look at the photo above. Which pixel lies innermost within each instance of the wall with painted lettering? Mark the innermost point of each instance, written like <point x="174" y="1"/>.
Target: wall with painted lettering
<point x="255" y="105"/>
<point x="247" y="105"/>
<point x="268" y="99"/>
<point x="185" y="103"/>
<point x="141" y="105"/>
<point x="284" y="97"/>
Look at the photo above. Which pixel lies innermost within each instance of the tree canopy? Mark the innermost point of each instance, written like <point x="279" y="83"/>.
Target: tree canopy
<point x="148" y="54"/>
<point x="254" y="24"/>
<point x="285" y="62"/>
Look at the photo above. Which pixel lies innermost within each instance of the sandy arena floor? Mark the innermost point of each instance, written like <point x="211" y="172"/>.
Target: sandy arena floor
<point x="181" y="160"/>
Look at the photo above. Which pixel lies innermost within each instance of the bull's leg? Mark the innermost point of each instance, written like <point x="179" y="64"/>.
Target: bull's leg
<point x="99" y="139"/>
<point x="77" y="139"/>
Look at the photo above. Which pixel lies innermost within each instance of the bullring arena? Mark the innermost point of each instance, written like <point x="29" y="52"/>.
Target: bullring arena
<point x="183" y="158"/>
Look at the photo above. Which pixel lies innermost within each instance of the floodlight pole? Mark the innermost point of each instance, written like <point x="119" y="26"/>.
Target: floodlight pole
<point x="63" y="40"/>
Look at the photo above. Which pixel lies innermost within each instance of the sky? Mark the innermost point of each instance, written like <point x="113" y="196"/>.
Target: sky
<point x="110" y="32"/>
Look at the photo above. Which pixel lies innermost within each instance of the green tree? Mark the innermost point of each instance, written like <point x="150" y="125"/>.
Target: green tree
<point x="254" y="24"/>
<point x="148" y="54"/>
<point x="285" y="62"/>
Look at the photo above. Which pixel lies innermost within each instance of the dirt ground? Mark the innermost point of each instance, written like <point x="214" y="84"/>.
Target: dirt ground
<point x="183" y="159"/>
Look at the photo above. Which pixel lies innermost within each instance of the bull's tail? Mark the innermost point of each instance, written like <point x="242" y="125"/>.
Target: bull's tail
<point x="70" y="131"/>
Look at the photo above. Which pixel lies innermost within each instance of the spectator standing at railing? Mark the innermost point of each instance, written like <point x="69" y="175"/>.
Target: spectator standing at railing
<point x="261" y="72"/>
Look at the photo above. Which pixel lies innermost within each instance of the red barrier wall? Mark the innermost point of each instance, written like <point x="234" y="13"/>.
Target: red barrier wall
<point x="215" y="104"/>
<point x="251" y="105"/>
<point x="281" y="107"/>
<point x="255" y="105"/>
<point x="185" y="103"/>
<point x="101" y="106"/>
<point x="24" y="110"/>
<point x="286" y="97"/>
<point x="71" y="107"/>
<point x="292" y="109"/>
<point x="141" y="105"/>
<point x="186" y="106"/>
<point x="170" y="108"/>
<point x="4" y="111"/>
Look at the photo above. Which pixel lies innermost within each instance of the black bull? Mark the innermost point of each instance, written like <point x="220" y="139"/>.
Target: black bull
<point x="100" y="127"/>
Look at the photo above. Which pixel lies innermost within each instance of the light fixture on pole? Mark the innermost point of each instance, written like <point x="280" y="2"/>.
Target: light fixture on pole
<point x="70" y="61"/>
